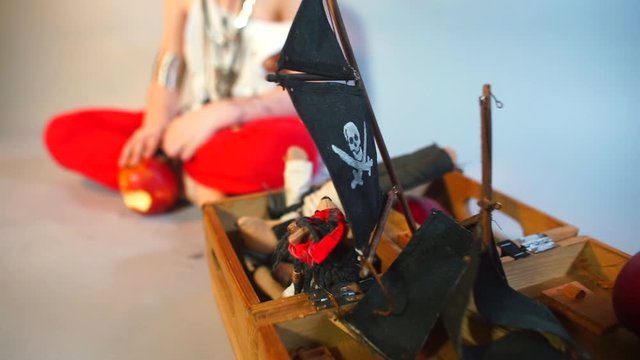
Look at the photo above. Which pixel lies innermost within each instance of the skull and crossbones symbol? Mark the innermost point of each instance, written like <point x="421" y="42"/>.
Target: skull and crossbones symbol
<point x="360" y="162"/>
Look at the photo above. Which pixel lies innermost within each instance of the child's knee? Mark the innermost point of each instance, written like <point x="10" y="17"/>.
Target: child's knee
<point x="57" y="133"/>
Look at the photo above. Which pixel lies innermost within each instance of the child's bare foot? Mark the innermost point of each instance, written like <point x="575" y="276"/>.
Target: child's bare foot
<point x="296" y="153"/>
<point x="298" y="171"/>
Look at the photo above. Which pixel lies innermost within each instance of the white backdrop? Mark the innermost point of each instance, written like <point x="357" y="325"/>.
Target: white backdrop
<point x="567" y="71"/>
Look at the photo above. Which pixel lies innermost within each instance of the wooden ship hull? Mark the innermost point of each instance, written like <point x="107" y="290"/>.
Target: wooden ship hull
<point x="281" y="328"/>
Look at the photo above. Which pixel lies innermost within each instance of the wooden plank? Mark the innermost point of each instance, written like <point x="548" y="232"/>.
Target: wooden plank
<point x="270" y="346"/>
<point x="232" y="288"/>
<point x="224" y="295"/>
<point x="229" y="263"/>
<point x="562" y="233"/>
<point x="244" y="205"/>
<point x="319" y="328"/>
<point x="283" y="309"/>
<point x="542" y="267"/>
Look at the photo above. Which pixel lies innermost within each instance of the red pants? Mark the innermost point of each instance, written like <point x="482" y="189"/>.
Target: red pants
<point x="240" y="161"/>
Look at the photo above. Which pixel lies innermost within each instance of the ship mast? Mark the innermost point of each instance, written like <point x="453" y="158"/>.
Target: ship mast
<point x="340" y="29"/>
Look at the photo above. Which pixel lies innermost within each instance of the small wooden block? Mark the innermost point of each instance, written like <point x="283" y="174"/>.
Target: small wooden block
<point x="562" y="232"/>
<point x="573" y="240"/>
<point x="582" y="306"/>
<point x="574" y="291"/>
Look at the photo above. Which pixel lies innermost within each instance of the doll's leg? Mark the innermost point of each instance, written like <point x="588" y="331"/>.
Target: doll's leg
<point x="421" y="166"/>
<point x="89" y="141"/>
<point x="298" y="173"/>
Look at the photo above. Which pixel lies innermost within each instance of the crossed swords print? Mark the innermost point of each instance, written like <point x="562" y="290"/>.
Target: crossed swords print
<point x="359" y="166"/>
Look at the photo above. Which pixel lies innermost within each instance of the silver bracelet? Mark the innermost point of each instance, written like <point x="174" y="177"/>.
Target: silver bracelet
<point x="168" y="70"/>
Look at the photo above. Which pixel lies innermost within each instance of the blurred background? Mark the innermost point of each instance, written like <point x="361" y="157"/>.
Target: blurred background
<point x="82" y="277"/>
<point x="568" y="75"/>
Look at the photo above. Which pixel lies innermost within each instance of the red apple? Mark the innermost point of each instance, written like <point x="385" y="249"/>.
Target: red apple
<point x="150" y="187"/>
<point x="626" y="295"/>
<point x="420" y="207"/>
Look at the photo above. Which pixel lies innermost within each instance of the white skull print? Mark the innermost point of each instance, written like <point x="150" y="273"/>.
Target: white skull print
<point x="352" y="135"/>
<point x="360" y="162"/>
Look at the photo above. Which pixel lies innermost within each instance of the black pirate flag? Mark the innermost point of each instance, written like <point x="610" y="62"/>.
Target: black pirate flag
<point x="336" y="117"/>
<point x="335" y="112"/>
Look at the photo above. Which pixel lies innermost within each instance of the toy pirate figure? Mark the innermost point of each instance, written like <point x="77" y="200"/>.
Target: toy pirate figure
<point x="322" y="258"/>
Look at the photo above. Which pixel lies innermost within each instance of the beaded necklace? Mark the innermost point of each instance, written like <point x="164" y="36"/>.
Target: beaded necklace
<point x="223" y="39"/>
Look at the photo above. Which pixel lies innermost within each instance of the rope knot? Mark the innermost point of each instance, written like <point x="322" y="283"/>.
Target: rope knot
<point x="487" y="205"/>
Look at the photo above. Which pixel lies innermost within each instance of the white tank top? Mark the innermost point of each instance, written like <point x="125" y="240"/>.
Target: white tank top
<point x="260" y="40"/>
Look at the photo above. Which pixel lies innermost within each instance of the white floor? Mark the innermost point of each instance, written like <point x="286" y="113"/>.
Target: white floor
<point x="81" y="277"/>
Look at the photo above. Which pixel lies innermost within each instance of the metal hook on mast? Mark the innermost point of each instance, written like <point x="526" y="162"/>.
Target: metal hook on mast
<point x="499" y="104"/>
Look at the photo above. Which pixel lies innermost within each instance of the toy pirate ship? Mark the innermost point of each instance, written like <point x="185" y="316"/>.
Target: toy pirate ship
<point x="434" y="289"/>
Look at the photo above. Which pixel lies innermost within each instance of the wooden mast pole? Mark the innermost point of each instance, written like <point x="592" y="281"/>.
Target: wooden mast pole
<point x="334" y="11"/>
<point x="486" y="201"/>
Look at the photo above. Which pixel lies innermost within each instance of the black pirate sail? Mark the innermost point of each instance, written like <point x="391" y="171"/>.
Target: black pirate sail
<point x="334" y="111"/>
<point x="312" y="48"/>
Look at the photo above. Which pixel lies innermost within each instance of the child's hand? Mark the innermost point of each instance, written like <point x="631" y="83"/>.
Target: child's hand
<point x="186" y="133"/>
<point x="141" y="145"/>
<point x="162" y="103"/>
